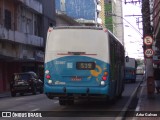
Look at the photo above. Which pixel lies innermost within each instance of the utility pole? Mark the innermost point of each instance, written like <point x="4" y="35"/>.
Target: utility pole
<point x="147" y="31"/>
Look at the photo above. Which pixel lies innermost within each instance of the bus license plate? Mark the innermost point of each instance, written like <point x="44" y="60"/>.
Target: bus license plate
<point x="76" y="78"/>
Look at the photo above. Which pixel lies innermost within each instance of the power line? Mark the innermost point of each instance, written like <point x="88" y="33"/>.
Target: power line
<point x="128" y="23"/>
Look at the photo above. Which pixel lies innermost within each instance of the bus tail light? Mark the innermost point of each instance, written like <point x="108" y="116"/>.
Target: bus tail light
<point x="47" y="71"/>
<point x="48" y="76"/>
<point x="104" y="77"/>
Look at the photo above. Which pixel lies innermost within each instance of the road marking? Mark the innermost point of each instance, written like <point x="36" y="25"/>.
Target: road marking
<point x="56" y="102"/>
<point x="139" y="101"/>
<point x="35" y="109"/>
<point x="138" y="105"/>
<point x="124" y="110"/>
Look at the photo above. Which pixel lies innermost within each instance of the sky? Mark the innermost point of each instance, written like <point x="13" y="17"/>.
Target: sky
<point x="132" y="34"/>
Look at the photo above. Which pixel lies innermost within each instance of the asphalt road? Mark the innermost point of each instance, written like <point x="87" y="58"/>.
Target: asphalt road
<point x="82" y="109"/>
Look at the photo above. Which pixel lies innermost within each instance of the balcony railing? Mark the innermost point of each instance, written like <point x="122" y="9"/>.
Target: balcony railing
<point x="19" y="37"/>
<point x="34" y="4"/>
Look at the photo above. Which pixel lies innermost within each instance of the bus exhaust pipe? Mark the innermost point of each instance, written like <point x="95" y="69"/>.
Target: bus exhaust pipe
<point x="64" y="90"/>
<point x="87" y="90"/>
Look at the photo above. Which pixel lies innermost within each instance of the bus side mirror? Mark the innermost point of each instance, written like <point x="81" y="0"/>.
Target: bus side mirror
<point x="127" y="59"/>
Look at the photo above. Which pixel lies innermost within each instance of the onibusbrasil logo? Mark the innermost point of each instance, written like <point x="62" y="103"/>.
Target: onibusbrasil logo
<point x="21" y="114"/>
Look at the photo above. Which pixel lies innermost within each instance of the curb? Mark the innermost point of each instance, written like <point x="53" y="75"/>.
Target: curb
<point x="125" y="108"/>
<point x="6" y="94"/>
<point x="139" y="102"/>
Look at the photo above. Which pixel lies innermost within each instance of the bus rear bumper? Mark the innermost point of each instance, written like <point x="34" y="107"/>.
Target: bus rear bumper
<point x="60" y="91"/>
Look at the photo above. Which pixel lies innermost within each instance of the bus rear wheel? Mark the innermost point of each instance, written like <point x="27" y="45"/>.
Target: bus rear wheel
<point x="70" y="102"/>
<point x="120" y="95"/>
<point x="62" y="101"/>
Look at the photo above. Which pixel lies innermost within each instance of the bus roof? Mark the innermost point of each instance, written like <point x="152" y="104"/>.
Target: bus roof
<point x="78" y="27"/>
<point x="86" y="27"/>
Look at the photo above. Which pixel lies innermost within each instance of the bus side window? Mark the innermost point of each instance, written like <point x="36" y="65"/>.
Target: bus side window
<point x="112" y="58"/>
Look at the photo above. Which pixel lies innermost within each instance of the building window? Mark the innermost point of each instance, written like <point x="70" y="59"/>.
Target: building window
<point x="35" y="28"/>
<point x="7" y="19"/>
<point x="98" y="14"/>
<point x="0" y="15"/>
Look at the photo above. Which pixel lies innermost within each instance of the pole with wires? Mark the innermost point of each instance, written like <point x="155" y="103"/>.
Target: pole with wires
<point x="147" y="31"/>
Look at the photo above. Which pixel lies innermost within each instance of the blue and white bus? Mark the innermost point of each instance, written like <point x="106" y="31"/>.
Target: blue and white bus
<point x="130" y="70"/>
<point x="83" y="62"/>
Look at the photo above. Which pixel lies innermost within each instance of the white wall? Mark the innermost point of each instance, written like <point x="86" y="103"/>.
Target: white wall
<point x="118" y="29"/>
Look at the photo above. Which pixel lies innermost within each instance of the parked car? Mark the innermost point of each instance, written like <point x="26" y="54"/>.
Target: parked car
<point x="27" y="82"/>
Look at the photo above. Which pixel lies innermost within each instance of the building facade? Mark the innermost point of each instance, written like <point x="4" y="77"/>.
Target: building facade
<point x="108" y="15"/>
<point x="114" y="18"/>
<point x="117" y="11"/>
<point x="64" y="20"/>
<point x="93" y="12"/>
<point x="156" y="22"/>
<point x="101" y="12"/>
<point x="23" y="24"/>
<point x="89" y="12"/>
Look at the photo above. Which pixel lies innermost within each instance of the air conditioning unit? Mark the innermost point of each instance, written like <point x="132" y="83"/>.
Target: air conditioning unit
<point x="99" y="8"/>
<point x="99" y="20"/>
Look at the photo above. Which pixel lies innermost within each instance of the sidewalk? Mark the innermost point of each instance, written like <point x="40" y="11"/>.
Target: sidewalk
<point x="5" y="94"/>
<point x="147" y="105"/>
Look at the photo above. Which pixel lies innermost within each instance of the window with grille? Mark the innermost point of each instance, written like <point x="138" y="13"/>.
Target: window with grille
<point x="8" y="19"/>
<point x="0" y="16"/>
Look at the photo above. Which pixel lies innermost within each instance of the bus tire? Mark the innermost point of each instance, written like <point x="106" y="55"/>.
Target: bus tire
<point x="62" y="101"/>
<point x="70" y="102"/>
<point x="120" y="95"/>
<point x="112" y="101"/>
